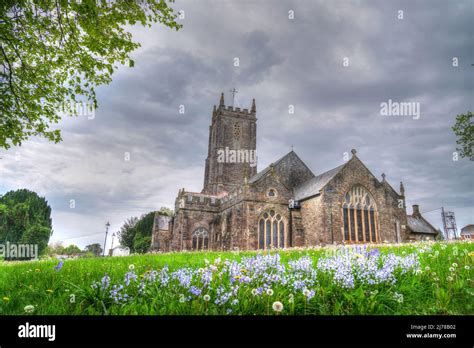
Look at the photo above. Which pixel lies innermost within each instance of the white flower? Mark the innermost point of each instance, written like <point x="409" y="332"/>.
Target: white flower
<point x="269" y="292"/>
<point x="427" y="268"/>
<point x="451" y="269"/>
<point x="306" y="292"/>
<point x="398" y="297"/>
<point x="206" y="298"/>
<point x="254" y="292"/>
<point x="455" y="264"/>
<point x="200" y="270"/>
<point x="467" y="267"/>
<point x="29" y="309"/>
<point x="131" y="267"/>
<point x="436" y="279"/>
<point x="277" y="306"/>
<point x="449" y="279"/>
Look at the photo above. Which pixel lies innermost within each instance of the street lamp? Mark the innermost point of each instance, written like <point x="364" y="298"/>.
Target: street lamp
<point x="107" y="225"/>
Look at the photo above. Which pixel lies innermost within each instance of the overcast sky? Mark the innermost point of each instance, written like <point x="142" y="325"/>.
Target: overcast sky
<point x="283" y="62"/>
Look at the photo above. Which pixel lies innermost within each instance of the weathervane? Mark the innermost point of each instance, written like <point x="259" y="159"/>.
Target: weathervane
<point x="234" y="92"/>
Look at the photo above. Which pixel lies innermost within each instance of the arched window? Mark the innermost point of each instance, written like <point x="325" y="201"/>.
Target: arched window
<point x="271" y="231"/>
<point x="200" y="239"/>
<point x="359" y="214"/>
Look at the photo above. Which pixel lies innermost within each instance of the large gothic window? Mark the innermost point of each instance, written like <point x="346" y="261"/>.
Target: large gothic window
<point x="200" y="239"/>
<point x="359" y="213"/>
<point x="271" y="231"/>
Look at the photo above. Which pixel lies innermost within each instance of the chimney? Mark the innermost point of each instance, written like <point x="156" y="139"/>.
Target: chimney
<point x="416" y="211"/>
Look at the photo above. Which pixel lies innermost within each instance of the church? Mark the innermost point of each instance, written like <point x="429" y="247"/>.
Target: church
<point x="283" y="205"/>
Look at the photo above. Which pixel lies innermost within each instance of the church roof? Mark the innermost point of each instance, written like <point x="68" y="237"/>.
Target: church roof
<point x="312" y="186"/>
<point x="290" y="169"/>
<point x="420" y="225"/>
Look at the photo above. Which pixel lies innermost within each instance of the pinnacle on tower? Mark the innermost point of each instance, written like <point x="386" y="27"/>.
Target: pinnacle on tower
<point x="221" y="103"/>
<point x="402" y="189"/>
<point x="253" y="109"/>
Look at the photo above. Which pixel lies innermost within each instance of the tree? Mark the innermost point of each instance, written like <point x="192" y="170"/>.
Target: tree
<point x="127" y="232"/>
<point x="72" y="249"/>
<point x="95" y="248"/>
<point x="54" y="53"/>
<point x="464" y="130"/>
<point x="25" y="218"/>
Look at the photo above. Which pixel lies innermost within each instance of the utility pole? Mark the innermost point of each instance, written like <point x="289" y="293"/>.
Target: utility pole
<point x="107" y="225"/>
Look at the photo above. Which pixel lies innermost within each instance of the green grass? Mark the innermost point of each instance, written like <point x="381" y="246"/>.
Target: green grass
<point x="37" y="283"/>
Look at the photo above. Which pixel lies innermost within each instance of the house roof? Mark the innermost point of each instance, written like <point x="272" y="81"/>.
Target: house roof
<point x="312" y="186"/>
<point x="420" y="225"/>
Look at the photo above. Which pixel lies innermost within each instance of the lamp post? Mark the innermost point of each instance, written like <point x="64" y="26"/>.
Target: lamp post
<point x="107" y="225"/>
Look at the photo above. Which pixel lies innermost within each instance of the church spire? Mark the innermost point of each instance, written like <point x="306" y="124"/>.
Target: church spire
<point x="253" y="109"/>
<point x="402" y="189"/>
<point x="221" y="103"/>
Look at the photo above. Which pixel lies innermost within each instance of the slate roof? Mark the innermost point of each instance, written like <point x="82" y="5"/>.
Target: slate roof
<point x="264" y="171"/>
<point x="312" y="186"/>
<point x="420" y="225"/>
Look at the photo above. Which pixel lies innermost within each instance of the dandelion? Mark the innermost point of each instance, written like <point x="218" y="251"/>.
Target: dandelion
<point x="449" y="279"/>
<point x="277" y="306"/>
<point x="427" y="268"/>
<point x="254" y="292"/>
<point x="131" y="267"/>
<point x="269" y="292"/>
<point x="398" y="297"/>
<point x="455" y="264"/>
<point x="29" y="309"/>
<point x="306" y="292"/>
<point x="206" y="298"/>
<point x="6" y="299"/>
<point x="451" y="269"/>
<point x="467" y="267"/>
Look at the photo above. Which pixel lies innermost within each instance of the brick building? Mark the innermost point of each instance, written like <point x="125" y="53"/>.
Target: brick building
<point x="283" y="205"/>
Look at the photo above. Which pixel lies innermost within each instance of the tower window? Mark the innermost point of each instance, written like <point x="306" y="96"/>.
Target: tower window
<point x="236" y="131"/>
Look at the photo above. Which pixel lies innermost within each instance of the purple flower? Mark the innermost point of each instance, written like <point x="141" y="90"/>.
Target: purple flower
<point x="58" y="267"/>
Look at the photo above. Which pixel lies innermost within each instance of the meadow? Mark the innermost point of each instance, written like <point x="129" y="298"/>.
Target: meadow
<point x="410" y="279"/>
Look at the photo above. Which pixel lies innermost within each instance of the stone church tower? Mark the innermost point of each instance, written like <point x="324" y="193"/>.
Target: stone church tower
<point x="232" y="134"/>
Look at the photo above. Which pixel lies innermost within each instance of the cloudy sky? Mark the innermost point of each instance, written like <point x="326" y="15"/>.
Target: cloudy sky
<point x="283" y="62"/>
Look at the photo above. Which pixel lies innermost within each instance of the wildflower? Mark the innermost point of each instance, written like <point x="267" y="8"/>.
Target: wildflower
<point x="213" y="268"/>
<point x="195" y="291"/>
<point x="254" y="292"/>
<point x="29" y="309"/>
<point x="306" y="292"/>
<point x="269" y="292"/>
<point x="277" y="306"/>
<point x="243" y="270"/>
<point x="235" y="302"/>
<point x="455" y="264"/>
<point x="451" y="269"/>
<point x="427" y="268"/>
<point x="436" y="279"/>
<point x="50" y="291"/>
<point x="58" y="267"/>
<point x="467" y="267"/>
<point x="449" y="279"/>
<point x="206" y="298"/>
<point x="6" y="299"/>
<point x="398" y="297"/>
<point x="131" y="267"/>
